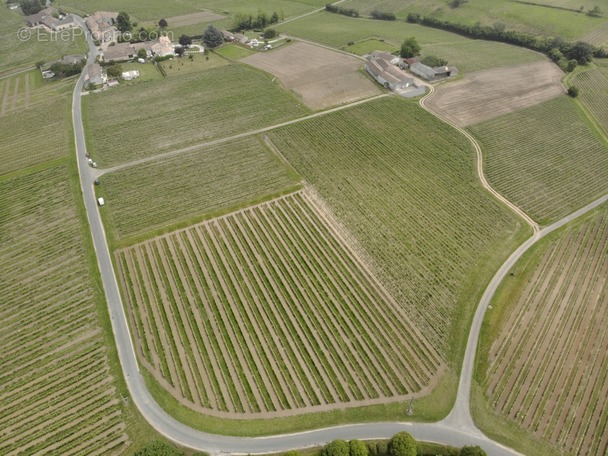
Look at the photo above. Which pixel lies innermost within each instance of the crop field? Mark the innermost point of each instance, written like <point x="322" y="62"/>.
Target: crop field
<point x="29" y="111"/>
<point x="468" y="55"/>
<point x="404" y="186"/>
<point x="370" y="45"/>
<point x="598" y="36"/>
<point x="58" y="394"/>
<point x="545" y="159"/>
<point x="143" y="120"/>
<point x="42" y="46"/>
<point x="548" y="365"/>
<point x="266" y="311"/>
<point x="321" y="77"/>
<point x="593" y="87"/>
<point x="167" y="191"/>
<point x="486" y="94"/>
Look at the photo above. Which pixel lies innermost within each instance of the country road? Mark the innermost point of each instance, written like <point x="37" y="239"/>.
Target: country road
<point x="457" y="429"/>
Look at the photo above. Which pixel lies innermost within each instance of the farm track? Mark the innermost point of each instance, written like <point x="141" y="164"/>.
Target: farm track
<point x="336" y="360"/>
<point x="480" y="172"/>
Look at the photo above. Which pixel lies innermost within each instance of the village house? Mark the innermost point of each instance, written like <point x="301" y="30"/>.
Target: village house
<point x="101" y="25"/>
<point x="50" y="19"/>
<point x="120" y="52"/>
<point x="94" y="75"/>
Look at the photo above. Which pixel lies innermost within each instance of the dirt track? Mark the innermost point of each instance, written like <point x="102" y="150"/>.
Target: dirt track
<point x="487" y="94"/>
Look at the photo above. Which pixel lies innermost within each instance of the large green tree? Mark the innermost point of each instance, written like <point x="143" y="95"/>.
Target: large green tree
<point x="212" y="37"/>
<point x="410" y="48"/>
<point x="123" y="22"/>
<point x="402" y="444"/>
<point x="336" y="448"/>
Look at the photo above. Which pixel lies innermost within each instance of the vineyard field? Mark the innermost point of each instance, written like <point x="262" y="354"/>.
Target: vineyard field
<point x="29" y="111"/>
<point x="593" y="87"/>
<point x="267" y="312"/>
<point x="58" y="394"/>
<point x="545" y="159"/>
<point x="404" y="186"/>
<point x="546" y="365"/>
<point x="128" y="123"/>
<point x="167" y="191"/>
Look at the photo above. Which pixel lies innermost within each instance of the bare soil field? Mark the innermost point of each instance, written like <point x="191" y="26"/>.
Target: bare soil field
<point x="268" y="312"/>
<point x="548" y="365"/>
<point x="321" y="77"/>
<point x="193" y="19"/>
<point x="487" y="94"/>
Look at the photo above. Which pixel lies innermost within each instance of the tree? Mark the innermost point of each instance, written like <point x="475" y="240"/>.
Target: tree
<point x="179" y="51"/>
<point x="274" y="18"/>
<point x="581" y="51"/>
<point x="410" y="48"/>
<point x="185" y="41"/>
<point x="402" y="444"/>
<point x="123" y="22"/>
<point x="434" y="61"/>
<point x="357" y="448"/>
<point x="142" y="54"/>
<point x="162" y="23"/>
<point x="595" y="12"/>
<point x="456" y="3"/>
<point x="39" y="64"/>
<point x="31" y="6"/>
<point x="573" y="92"/>
<point x="336" y="448"/>
<point x="114" y="71"/>
<point x="571" y="66"/>
<point x="472" y="451"/>
<point x="291" y="453"/>
<point x="212" y="37"/>
<point x="270" y="33"/>
<point x="555" y="54"/>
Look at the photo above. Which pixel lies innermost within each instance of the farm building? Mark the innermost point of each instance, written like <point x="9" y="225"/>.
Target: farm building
<point x="234" y="37"/>
<point x="388" y="74"/>
<point x="431" y="74"/>
<point x="101" y="25"/>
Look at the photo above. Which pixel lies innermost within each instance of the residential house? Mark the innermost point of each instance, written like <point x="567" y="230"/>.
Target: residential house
<point x="121" y="52"/>
<point x="94" y="75"/>
<point x="101" y="25"/>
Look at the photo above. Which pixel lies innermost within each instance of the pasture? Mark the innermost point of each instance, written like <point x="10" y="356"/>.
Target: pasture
<point x="143" y="120"/>
<point x="370" y="45"/>
<point x="234" y="51"/>
<point x="466" y="54"/>
<point x="544" y="345"/>
<point x="487" y="94"/>
<point x="33" y="120"/>
<point x="195" y="184"/>
<point x="199" y="62"/>
<point x="58" y="393"/>
<point x="545" y="159"/>
<point x="321" y="77"/>
<point x="404" y="187"/>
<point x="266" y="312"/>
<point x="593" y="87"/>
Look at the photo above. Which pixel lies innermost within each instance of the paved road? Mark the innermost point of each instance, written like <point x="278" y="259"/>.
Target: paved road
<point x="457" y="429"/>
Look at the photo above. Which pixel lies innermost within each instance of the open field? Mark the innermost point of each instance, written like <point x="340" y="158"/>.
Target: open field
<point x="370" y="45"/>
<point x="198" y="183"/>
<point x="234" y="51"/>
<point x="466" y="54"/>
<point x="487" y="94"/>
<point x="199" y="62"/>
<point x="598" y="36"/>
<point x="193" y="18"/>
<point x="33" y="120"/>
<point x="545" y="159"/>
<point x="544" y="349"/>
<point x="593" y="87"/>
<point x="58" y="395"/>
<point x="404" y="186"/>
<point x="321" y="77"/>
<point x="535" y="19"/>
<point x="266" y="312"/>
<point x="128" y="123"/>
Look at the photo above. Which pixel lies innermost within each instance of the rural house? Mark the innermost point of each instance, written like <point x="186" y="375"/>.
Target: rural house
<point x="101" y="25"/>
<point x="50" y="19"/>
<point x="94" y="75"/>
<point x="120" y="52"/>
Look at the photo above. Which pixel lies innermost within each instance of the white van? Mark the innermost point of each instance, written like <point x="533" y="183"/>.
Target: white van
<point x="100" y="201"/>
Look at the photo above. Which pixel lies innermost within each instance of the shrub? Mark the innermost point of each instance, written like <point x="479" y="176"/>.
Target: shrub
<point x="434" y="61"/>
<point x="573" y="92"/>
<point x="472" y="451"/>
<point x="383" y="16"/>
<point x="357" y="448"/>
<point x="402" y="444"/>
<point x="336" y="448"/>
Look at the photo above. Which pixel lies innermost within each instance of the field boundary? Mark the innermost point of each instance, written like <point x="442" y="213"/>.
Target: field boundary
<point x="480" y="172"/>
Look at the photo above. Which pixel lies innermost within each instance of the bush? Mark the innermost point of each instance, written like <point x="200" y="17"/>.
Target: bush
<point x="472" y="451"/>
<point x="402" y="444"/>
<point x="435" y="449"/>
<point x="383" y="16"/>
<point x="270" y="33"/>
<point x="434" y="61"/>
<point x="382" y="448"/>
<point x="573" y="92"/>
<point x="336" y="448"/>
<point x="357" y="448"/>
<point x="344" y="11"/>
<point x="372" y="448"/>
<point x="158" y="448"/>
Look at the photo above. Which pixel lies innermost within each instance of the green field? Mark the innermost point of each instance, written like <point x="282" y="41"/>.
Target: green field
<point x="195" y="184"/>
<point x="34" y="120"/>
<point x="369" y="45"/>
<point x="535" y="19"/>
<point x="142" y="120"/>
<point x="467" y="55"/>
<point x="234" y="52"/>
<point x="41" y="46"/>
<point x="199" y="62"/>
<point x="404" y="184"/>
<point x="58" y="393"/>
<point x="275" y="311"/>
<point x="593" y="87"/>
<point x="542" y="360"/>
<point x="147" y="72"/>
<point x="545" y="159"/>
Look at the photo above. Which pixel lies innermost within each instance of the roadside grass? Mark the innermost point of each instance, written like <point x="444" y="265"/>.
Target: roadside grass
<point x="526" y="17"/>
<point x="163" y="193"/>
<point x="466" y="54"/>
<point x="522" y="283"/>
<point x="371" y="44"/>
<point x="199" y="62"/>
<point x="428" y="251"/>
<point x="545" y="159"/>
<point x="234" y="52"/>
<point x="426" y="409"/>
<point x="143" y="120"/>
<point x="41" y="46"/>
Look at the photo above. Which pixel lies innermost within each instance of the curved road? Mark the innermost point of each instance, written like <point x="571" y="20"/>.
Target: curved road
<point x="457" y="429"/>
